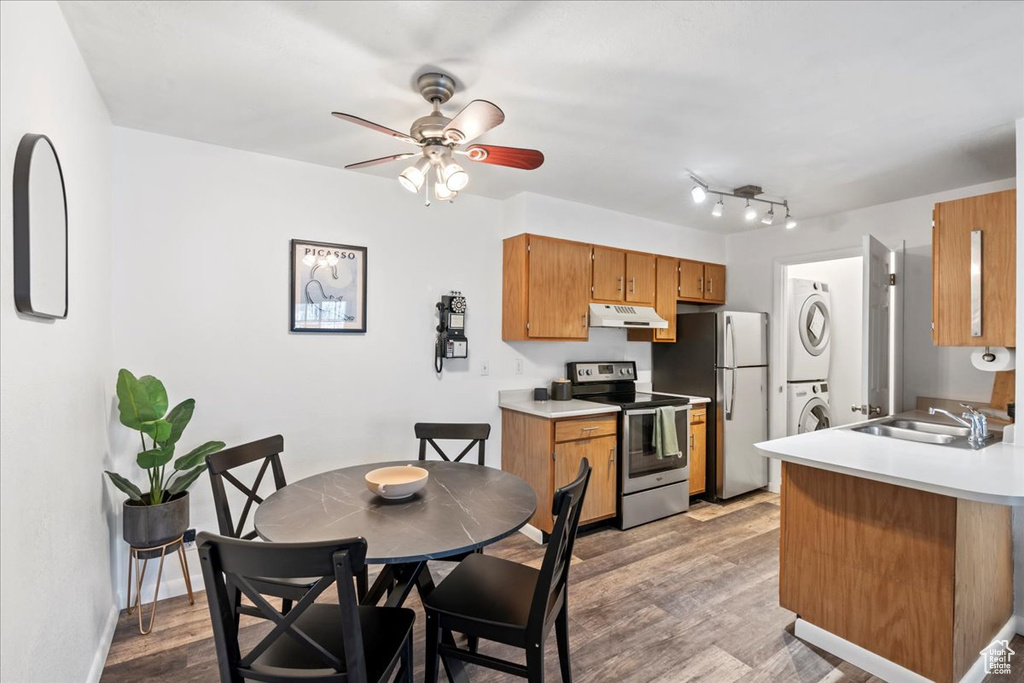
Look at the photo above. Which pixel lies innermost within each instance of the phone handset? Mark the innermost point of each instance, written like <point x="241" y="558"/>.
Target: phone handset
<point x="451" y="335"/>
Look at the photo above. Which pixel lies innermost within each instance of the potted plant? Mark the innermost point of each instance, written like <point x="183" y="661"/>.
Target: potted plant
<point x="160" y="515"/>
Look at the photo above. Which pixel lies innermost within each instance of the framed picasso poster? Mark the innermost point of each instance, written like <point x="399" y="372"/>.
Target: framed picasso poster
<point x="328" y="287"/>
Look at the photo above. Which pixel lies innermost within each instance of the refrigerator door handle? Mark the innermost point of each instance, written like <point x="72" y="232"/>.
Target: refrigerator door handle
<point x="731" y="402"/>
<point x="730" y="343"/>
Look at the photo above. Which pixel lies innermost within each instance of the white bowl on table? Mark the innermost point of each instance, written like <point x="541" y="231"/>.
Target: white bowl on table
<point x="396" y="482"/>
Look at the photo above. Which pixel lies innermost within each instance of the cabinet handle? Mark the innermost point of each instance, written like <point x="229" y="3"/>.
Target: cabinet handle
<point x="611" y="455"/>
<point x="622" y="283"/>
<point x="711" y="285"/>
<point x="700" y="284"/>
<point x="976" y="283"/>
<point x="589" y="429"/>
<point x="691" y="442"/>
<point x="584" y="321"/>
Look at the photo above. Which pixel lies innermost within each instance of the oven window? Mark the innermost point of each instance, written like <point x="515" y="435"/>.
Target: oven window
<point x="641" y="458"/>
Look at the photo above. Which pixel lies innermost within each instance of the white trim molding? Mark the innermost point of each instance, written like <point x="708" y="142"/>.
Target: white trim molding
<point x="99" y="660"/>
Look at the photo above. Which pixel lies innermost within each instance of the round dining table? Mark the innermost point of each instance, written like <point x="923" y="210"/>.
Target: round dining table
<point x="461" y="509"/>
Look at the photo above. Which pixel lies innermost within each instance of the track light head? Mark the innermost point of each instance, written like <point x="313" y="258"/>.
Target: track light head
<point x="790" y="221"/>
<point x="718" y="208"/>
<point x="769" y="216"/>
<point x="750" y="213"/>
<point x="699" y="192"/>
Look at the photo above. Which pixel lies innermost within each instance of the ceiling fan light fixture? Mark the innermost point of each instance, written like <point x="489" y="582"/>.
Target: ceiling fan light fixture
<point x="719" y="208"/>
<point x="412" y="177"/>
<point x="769" y="216"/>
<point x="750" y="213"/>
<point x="455" y="178"/>
<point x="442" y="193"/>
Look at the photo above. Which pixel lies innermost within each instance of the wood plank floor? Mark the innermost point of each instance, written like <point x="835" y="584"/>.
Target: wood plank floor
<point x="690" y="598"/>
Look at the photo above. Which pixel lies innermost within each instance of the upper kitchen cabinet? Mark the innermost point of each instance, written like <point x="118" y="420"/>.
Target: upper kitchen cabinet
<point x="701" y="282"/>
<point x="640" y="278"/>
<point x="545" y="289"/>
<point x="666" y="273"/>
<point x="974" y="271"/>
<point x="609" y="275"/>
<point x="622" y="276"/>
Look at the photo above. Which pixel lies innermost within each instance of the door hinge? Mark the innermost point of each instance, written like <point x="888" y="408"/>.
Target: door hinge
<point x="892" y="279"/>
<point x="593" y="256"/>
<point x="552" y="455"/>
<point x="527" y="325"/>
<point x="527" y="247"/>
<point x="933" y="326"/>
<point x="591" y="289"/>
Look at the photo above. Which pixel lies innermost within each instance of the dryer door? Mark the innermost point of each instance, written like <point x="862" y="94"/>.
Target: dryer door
<point x="815" y="325"/>
<point x="815" y="415"/>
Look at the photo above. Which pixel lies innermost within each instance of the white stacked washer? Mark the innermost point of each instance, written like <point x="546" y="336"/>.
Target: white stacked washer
<point x="810" y="352"/>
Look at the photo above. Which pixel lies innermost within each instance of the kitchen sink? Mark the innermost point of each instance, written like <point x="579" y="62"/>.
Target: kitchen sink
<point x="908" y="428"/>
<point x="906" y="434"/>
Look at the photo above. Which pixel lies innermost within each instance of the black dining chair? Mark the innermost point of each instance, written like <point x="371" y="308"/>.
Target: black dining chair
<point x="490" y="598"/>
<point x="220" y="466"/>
<point x="327" y="642"/>
<point x="475" y="433"/>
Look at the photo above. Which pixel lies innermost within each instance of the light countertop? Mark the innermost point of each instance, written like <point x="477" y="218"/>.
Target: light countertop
<point x="521" y="400"/>
<point x="994" y="474"/>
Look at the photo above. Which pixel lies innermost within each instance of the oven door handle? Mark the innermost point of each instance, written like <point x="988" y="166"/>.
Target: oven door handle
<point x="652" y="411"/>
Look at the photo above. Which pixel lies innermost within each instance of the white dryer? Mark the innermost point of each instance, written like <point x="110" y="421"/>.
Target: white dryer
<point x="808" y="407"/>
<point x="810" y="330"/>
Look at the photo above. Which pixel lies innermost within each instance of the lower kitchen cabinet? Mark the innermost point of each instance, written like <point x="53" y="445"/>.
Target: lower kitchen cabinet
<point x="546" y="453"/>
<point x="698" y="450"/>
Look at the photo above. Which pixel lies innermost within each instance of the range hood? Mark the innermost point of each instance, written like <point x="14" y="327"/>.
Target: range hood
<point x="619" y="315"/>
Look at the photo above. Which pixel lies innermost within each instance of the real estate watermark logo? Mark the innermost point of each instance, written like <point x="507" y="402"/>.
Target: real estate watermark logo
<point x="997" y="657"/>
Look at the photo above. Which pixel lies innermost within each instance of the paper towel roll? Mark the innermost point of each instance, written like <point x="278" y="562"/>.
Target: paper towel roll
<point x="1004" y="359"/>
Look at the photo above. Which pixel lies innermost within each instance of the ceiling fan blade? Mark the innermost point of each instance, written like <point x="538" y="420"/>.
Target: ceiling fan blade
<point x="514" y="157"/>
<point x="382" y="160"/>
<point x="376" y="126"/>
<point x="475" y="119"/>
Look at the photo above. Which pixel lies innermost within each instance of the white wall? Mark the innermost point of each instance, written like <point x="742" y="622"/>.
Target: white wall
<point x="58" y="602"/>
<point x="1018" y="513"/>
<point x="845" y="278"/>
<point x="201" y="255"/>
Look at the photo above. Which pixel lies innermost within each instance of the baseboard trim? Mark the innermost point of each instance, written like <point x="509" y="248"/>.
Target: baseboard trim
<point x="880" y="666"/>
<point x="106" y="638"/>
<point x="775" y="487"/>
<point x="533" y="533"/>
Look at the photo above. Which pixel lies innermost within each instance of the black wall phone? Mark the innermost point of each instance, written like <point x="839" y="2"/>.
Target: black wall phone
<point x="451" y="329"/>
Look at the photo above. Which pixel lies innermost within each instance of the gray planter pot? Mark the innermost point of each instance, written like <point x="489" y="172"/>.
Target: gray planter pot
<point x="147" y="526"/>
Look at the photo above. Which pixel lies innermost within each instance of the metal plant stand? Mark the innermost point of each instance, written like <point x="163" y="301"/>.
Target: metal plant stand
<point x="147" y="554"/>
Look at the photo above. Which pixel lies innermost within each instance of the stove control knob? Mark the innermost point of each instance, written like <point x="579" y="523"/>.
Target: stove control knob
<point x="622" y="371"/>
<point x="590" y="372"/>
<point x="580" y="372"/>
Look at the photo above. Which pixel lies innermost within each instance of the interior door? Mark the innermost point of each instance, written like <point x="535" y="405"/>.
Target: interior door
<point x="875" y="367"/>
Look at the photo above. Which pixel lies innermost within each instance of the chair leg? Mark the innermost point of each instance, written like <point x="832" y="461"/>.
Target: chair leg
<point x="433" y="659"/>
<point x="362" y="584"/>
<point x="535" y="662"/>
<point x="562" y="636"/>
<point x="473" y="642"/>
<point x="286" y="605"/>
<point x="407" y="658"/>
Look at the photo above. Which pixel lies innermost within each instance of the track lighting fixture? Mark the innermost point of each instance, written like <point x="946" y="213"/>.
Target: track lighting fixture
<point x="749" y="193"/>
<point x="718" y="208"/>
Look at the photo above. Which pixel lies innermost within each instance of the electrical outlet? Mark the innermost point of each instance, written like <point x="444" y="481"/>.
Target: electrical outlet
<point x="485" y="368"/>
<point x="517" y="366"/>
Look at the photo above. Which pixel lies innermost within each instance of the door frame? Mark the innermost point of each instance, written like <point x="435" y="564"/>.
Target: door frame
<point x="778" y="367"/>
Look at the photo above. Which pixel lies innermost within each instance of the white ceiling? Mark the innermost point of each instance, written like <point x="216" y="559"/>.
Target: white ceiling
<point x="833" y="105"/>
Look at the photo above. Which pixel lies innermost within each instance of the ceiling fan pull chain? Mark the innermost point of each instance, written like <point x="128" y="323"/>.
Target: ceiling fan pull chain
<point x="426" y="192"/>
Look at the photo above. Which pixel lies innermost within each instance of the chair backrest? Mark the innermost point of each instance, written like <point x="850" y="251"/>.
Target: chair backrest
<point x="230" y="564"/>
<point x="554" y="570"/>
<point x="220" y="465"/>
<point x="475" y="433"/>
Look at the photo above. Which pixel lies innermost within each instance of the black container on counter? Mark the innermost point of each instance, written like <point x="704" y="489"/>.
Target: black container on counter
<point x="540" y="394"/>
<point x="561" y="390"/>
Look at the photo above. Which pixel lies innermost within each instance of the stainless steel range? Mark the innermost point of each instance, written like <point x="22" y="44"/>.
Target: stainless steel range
<point x="649" y="487"/>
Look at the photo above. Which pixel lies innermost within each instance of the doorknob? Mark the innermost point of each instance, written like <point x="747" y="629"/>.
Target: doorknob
<point x="866" y="409"/>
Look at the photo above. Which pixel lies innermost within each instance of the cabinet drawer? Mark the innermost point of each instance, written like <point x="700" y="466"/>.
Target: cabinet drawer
<point x="585" y="428"/>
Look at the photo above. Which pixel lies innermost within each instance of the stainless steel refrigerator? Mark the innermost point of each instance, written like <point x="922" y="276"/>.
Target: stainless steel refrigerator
<point x="724" y="356"/>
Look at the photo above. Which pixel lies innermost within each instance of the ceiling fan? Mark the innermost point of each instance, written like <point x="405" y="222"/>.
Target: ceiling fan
<point x="441" y="138"/>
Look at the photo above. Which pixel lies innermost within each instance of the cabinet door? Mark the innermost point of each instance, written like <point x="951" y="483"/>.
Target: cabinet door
<point x="609" y="274"/>
<point x="559" y="289"/>
<point x="698" y="450"/>
<point x="600" y="499"/>
<point x="640" y="278"/>
<point x="993" y="215"/>
<point x="691" y="280"/>
<point x="714" y="283"/>
<point x="665" y="297"/>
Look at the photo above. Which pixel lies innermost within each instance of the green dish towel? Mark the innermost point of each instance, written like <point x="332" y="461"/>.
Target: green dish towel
<point x="666" y="440"/>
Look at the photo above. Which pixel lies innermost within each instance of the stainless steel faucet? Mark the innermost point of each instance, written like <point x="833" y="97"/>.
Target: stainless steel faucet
<point x="972" y="419"/>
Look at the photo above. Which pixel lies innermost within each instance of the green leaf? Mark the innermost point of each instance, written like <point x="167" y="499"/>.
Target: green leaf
<point x="156" y="392"/>
<point x="179" y="418"/>
<point x="157" y="457"/>
<point x="197" y="455"/>
<point x="184" y="480"/>
<point x="126" y="486"/>
<point x="133" y="401"/>
<point x="158" y="430"/>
